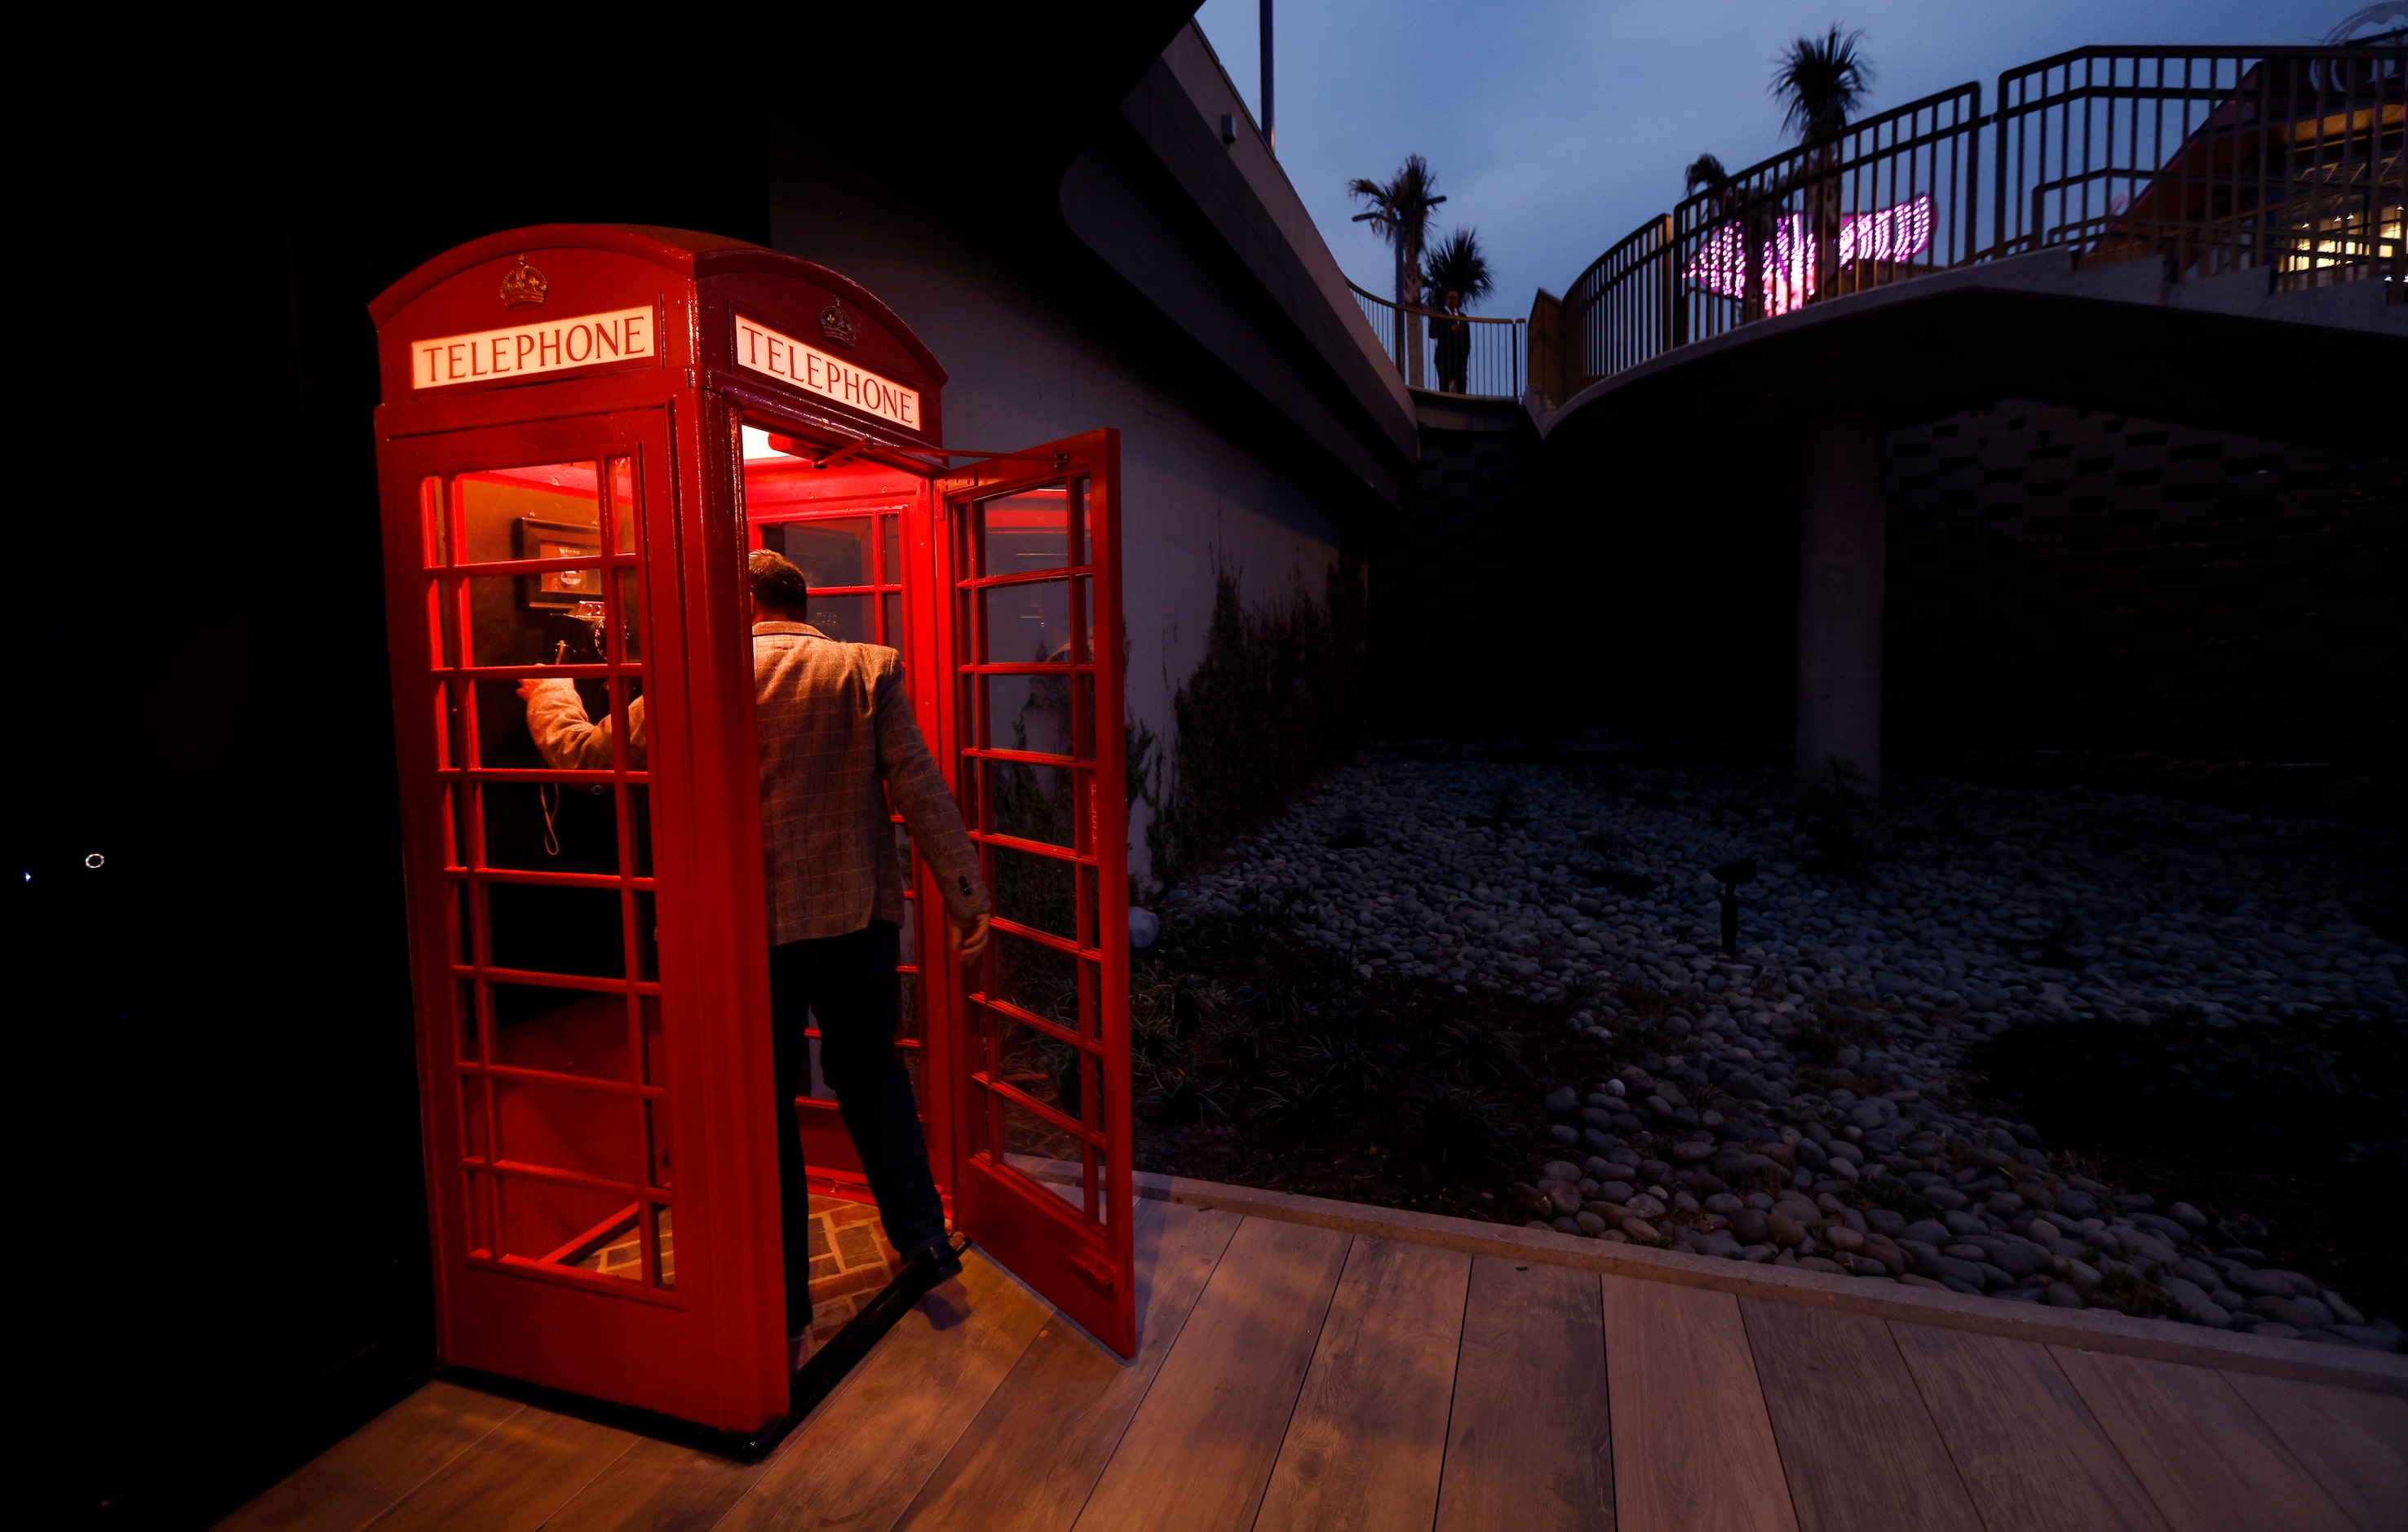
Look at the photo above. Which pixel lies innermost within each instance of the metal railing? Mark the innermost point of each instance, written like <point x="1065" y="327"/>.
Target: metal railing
<point x="2211" y="159"/>
<point x="1466" y="355"/>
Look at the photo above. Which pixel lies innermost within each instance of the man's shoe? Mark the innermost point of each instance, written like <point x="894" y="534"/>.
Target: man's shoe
<point x="932" y="1266"/>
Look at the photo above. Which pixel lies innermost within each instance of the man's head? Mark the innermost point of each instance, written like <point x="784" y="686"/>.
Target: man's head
<point x="778" y="589"/>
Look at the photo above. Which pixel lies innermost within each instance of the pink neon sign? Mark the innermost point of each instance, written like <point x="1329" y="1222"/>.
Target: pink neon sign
<point x="1895" y="233"/>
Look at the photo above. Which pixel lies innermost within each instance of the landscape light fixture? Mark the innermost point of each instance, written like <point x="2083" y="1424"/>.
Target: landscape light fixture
<point x="1730" y="875"/>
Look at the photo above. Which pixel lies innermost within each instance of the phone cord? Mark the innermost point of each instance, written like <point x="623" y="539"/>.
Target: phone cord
<point x="547" y="794"/>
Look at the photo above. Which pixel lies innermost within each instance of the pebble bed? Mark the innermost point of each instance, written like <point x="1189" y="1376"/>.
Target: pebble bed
<point x="1517" y="878"/>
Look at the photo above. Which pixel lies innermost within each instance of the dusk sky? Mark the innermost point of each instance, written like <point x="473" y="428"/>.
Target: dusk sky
<point x="1557" y="126"/>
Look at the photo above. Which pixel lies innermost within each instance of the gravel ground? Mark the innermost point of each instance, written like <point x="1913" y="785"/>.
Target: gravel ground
<point x="1796" y="1101"/>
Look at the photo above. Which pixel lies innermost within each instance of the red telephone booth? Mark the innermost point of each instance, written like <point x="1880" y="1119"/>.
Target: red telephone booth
<point x="583" y="429"/>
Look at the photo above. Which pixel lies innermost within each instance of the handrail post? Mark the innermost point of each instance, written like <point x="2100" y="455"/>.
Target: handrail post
<point x="1672" y="332"/>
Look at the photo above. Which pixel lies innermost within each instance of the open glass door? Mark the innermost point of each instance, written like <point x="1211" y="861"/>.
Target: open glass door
<point x="1039" y="1066"/>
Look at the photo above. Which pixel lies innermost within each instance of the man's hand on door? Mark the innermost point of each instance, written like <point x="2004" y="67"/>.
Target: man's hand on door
<point x="968" y="941"/>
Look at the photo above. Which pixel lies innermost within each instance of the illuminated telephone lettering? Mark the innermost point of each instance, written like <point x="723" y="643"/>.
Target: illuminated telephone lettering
<point x="529" y="349"/>
<point x="762" y="349"/>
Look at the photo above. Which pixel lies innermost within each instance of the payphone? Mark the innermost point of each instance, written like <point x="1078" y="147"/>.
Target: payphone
<point x="583" y="430"/>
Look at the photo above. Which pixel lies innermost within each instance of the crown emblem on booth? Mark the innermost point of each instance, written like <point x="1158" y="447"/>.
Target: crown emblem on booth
<point x="836" y="325"/>
<point x="523" y="286"/>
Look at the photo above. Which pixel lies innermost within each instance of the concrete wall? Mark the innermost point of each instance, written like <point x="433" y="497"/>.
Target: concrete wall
<point x="1197" y="491"/>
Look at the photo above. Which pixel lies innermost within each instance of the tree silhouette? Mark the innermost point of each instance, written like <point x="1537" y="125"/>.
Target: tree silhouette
<point x="1399" y="214"/>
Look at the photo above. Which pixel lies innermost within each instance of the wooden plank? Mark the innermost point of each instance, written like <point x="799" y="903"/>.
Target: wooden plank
<point x="1858" y="1446"/>
<point x="1529" y="1445"/>
<point x="1201" y="1448"/>
<point x="861" y="1459"/>
<point x="1365" y="1444"/>
<point x="362" y="1476"/>
<point x="2026" y="1445"/>
<point x="2356" y="1443"/>
<point x="657" y="1487"/>
<point x="1693" y="1446"/>
<point x="522" y="1470"/>
<point x="2201" y="1451"/>
<point x="1029" y="1460"/>
<point x="2099" y="1329"/>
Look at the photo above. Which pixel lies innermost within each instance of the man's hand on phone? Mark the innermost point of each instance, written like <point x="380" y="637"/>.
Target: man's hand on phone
<point x="968" y="941"/>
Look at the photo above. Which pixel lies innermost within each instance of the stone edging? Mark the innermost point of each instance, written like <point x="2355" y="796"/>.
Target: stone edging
<point x="2191" y="1344"/>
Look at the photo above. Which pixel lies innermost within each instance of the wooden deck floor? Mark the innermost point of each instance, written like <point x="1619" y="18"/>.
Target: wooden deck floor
<point x="1301" y="1376"/>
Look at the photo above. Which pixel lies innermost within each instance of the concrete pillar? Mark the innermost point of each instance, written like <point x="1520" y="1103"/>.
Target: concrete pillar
<point x="1840" y="557"/>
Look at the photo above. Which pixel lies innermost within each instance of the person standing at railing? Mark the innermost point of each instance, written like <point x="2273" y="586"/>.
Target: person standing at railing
<point x="1453" y="332"/>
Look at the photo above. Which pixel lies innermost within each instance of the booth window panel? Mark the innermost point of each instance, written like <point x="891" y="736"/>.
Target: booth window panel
<point x="1083" y="744"/>
<point x="592" y="1132"/>
<point x="477" y="1199"/>
<point x="464" y="921"/>
<point x="844" y="618"/>
<point x="434" y="521"/>
<point x="664" y="1246"/>
<point x="1040" y="980"/>
<point x="658" y="1136"/>
<point x="1029" y="623"/>
<point x="464" y="1013"/>
<point x="835" y="552"/>
<point x="639" y="799"/>
<point x="626" y="516"/>
<point x="655" y="1045"/>
<point x="890" y="559"/>
<point x="503" y="740"/>
<point x="540" y="928"/>
<point x="1029" y="802"/>
<point x="503" y="511"/>
<point x="645" y="913"/>
<point x="1027" y="531"/>
<point x="474" y="1142"/>
<point x="1091" y="929"/>
<point x="1027" y="712"/>
<point x="630" y="611"/>
<point x="570" y="827"/>
<point x="1034" y="890"/>
<point x="443" y="622"/>
<point x="552" y="617"/>
<point x="1044" y="1151"/>
<point x="1040" y="1066"/>
<point x="561" y="1225"/>
<point x="890" y="621"/>
<point x="562" y="1032"/>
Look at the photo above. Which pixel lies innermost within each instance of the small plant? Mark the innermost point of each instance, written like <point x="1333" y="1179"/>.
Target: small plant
<point x="1343" y="1059"/>
<point x="1462" y="1133"/>
<point x="1472" y="1053"/>
<point x="1182" y="1092"/>
<point x="1303" y="1103"/>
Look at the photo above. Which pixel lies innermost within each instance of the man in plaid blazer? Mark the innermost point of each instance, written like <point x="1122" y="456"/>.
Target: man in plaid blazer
<point x="836" y="741"/>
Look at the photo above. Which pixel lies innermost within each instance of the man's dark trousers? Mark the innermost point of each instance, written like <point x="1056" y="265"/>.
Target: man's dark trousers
<point x="850" y="982"/>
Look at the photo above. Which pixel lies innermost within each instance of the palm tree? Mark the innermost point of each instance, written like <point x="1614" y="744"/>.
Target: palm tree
<point x="1457" y="264"/>
<point x="1746" y="205"/>
<point x="1821" y="81"/>
<point x="1399" y="214"/>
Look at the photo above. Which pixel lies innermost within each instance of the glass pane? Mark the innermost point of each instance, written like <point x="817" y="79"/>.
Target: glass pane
<point x="843" y="617"/>
<point x="562" y="1127"/>
<point x="656" y="1133"/>
<point x="890" y="621"/>
<point x="1018" y="532"/>
<point x="563" y="1225"/>
<point x="1038" y="978"/>
<point x="463" y="928"/>
<point x="1085" y="601"/>
<point x="527" y="620"/>
<point x="477" y="1193"/>
<point x="1028" y="711"/>
<point x="631" y="616"/>
<point x="908" y="1007"/>
<point x="443" y="620"/>
<point x="829" y="552"/>
<point x="1085" y="749"/>
<point x="435" y="527"/>
<point x="505" y="511"/>
<point x="1039" y="1067"/>
<point x="473" y="1142"/>
<point x="657" y="1057"/>
<point x="648" y="946"/>
<point x="639" y="830"/>
<point x="1036" y="891"/>
<point x="548" y="827"/>
<point x="464" y="1012"/>
<point x="619" y="1254"/>
<point x="1027" y="624"/>
<point x="1029" y="802"/>
<point x="540" y="929"/>
<point x="890" y="565"/>
<point x="504" y="739"/>
<point x="664" y="1242"/>
<point x="1040" y="1151"/>
<point x="1079" y="550"/>
<point x="623" y="502"/>
<point x="561" y="1032"/>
